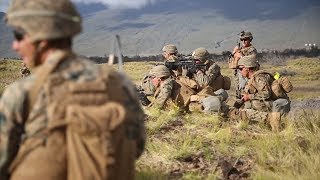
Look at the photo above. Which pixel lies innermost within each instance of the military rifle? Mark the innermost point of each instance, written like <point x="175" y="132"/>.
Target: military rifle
<point x="188" y="64"/>
<point x="238" y="43"/>
<point x="142" y="96"/>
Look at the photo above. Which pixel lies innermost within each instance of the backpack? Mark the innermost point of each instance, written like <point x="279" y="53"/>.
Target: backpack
<point x="279" y="87"/>
<point x="101" y="122"/>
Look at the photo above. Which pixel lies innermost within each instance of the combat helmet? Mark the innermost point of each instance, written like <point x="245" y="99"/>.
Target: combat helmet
<point x="160" y="71"/>
<point x="248" y="61"/>
<point x="200" y="53"/>
<point x="246" y="35"/>
<point x="170" y="48"/>
<point x="44" y="20"/>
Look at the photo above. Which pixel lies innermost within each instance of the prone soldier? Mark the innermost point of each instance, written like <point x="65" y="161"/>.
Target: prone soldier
<point x="169" y="89"/>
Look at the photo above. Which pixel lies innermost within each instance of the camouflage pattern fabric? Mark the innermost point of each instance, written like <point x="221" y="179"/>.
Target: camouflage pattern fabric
<point x="239" y="81"/>
<point x="250" y="50"/>
<point x="44" y="19"/>
<point x="163" y="93"/>
<point x="13" y="126"/>
<point x="205" y="77"/>
<point x="259" y="90"/>
<point x="147" y="85"/>
<point x="24" y="72"/>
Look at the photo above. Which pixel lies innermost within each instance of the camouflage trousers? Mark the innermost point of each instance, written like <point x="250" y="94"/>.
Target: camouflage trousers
<point x="281" y="106"/>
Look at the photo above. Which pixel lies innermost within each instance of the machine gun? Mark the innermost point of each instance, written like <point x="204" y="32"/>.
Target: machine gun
<point x="190" y="65"/>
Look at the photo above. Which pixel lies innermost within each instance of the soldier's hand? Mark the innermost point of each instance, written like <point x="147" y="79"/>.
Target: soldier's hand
<point x="184" y="71"/>
<point x="245" y="97"/>
<point x="235" y="49"/>
<point x="193" y="70"/>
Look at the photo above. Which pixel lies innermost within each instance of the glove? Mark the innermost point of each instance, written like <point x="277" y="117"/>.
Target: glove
<point x="193" y="70"/>
<point x="184" y="71"/>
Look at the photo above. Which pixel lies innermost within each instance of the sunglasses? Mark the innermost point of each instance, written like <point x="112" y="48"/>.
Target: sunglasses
<point x="18" y="35"/>
<point x="245" y="39"/>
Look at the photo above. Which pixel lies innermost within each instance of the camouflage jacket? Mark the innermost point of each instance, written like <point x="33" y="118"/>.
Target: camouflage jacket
<point x="259" y="90"/>
<point x="249" y="50"/>
<point x="176" y="91"/>
<point x="13" y="125"/>
<point x="205" y="77"/>
<point x="163" y="93"/>
<point x="24" y="72"/>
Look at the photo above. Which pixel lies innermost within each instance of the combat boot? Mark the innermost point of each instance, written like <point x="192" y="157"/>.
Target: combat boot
<point x="274" y="120"/>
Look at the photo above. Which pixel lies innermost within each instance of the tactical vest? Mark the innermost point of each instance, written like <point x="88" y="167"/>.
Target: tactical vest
<point x="221" y="82"/>
<point x="233" y="63"/>
<point x="91" y="130"/>
<point x="279" y="87"/>
<point x="181" y="94"/>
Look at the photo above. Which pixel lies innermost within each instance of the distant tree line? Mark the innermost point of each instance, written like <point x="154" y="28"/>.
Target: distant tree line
<point x="271" y="56"/>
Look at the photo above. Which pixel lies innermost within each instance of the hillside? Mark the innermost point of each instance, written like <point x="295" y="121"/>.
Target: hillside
<point x="191" y="24"/>
<point x="144" y="33"/>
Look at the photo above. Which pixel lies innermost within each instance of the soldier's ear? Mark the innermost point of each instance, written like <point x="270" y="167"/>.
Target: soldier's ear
<point x="44" y="44"/>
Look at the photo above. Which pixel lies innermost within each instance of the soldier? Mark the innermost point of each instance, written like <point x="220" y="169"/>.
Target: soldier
<point x="169" y="89"/>
<point x="24" y="70"/>
<point x="209" y="79"/>
<point x="261" y="103"/>
<point x="170" y="54"/>
<point x="238" y="52"/>
<point x="247" y="48"/>
<point x="70" y="119"/>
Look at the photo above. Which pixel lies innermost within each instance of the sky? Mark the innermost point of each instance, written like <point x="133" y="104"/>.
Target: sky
<point x="231" y="9"/>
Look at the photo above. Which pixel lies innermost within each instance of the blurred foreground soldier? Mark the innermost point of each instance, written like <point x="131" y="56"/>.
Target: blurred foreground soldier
<point x="24" y="70"/>
<point x="70" y="119"/>
<point x="168" y="89"/>
<point x="264" y="96"/>
<point x="212" y="85"/>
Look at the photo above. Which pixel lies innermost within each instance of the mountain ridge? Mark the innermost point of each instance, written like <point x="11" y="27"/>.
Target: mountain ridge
<point x="191" y="24"/>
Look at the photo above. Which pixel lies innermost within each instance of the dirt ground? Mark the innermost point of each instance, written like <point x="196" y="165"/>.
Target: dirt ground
<point x="312" y="104"/>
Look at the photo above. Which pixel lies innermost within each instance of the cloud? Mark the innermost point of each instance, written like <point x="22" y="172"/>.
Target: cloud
<point x="119" y="4"/>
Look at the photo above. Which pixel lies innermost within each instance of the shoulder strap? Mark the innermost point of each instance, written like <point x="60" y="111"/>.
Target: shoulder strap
<point x="42" y="73"/>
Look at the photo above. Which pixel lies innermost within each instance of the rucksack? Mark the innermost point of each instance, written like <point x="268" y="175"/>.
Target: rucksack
<point x="279" y="87"/>
<point x="101" y="120"/>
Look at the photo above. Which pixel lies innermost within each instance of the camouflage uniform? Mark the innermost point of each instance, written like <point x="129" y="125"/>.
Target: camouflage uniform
<point x="262" y="104"/>
<point x="170" y="89"/>
<point x="27" y="148"/>
<point x="163" y="93"/>
<point x="240" y="81"/>
<point x="210" y="81"/>
<point x="24" y="71"/>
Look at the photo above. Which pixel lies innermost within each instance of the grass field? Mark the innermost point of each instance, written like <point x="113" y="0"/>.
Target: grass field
<point x="198" y="146"/>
